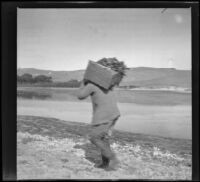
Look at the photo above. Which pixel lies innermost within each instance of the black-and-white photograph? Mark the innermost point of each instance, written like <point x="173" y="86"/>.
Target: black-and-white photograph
<point x="104" y="93"/>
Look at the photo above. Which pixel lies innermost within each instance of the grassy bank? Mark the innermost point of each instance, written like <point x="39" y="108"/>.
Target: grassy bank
<point x="48" y="148"/>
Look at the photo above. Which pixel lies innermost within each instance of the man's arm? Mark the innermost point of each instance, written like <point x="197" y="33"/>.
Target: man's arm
<point x="84" y="91"/>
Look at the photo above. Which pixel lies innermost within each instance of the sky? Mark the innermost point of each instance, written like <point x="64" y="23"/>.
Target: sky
<point x="65" y="39"/>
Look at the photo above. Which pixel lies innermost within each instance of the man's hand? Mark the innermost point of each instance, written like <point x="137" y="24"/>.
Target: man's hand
<point x="83" y="83"/>
<point x="84" y="91"/>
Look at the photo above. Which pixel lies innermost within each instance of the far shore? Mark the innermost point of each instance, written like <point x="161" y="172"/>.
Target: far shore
<point x="172" y="89"/>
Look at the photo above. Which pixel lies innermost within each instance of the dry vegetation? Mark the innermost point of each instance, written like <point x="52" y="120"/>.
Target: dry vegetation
<point x="48" y="148"/>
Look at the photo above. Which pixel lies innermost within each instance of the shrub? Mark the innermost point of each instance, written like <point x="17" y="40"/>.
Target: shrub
<point x="115" y="65"/>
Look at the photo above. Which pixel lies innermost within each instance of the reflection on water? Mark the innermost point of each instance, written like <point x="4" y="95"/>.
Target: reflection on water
<point x="33" y="95"/>
<point x="47" y="94"/>
<point x="145" y="97"/>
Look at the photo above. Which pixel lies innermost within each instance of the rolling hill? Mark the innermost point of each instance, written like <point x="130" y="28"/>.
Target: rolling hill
<point x="140" y="76"/>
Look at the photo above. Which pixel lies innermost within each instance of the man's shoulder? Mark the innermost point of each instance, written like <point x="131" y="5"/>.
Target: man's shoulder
<point x="91" y="86"/>
<point x="97" y="88"/>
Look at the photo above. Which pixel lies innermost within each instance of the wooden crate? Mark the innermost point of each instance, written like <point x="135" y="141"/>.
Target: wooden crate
<point x="99" y="74"/>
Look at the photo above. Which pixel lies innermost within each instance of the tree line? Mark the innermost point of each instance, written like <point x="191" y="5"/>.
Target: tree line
<point x="43" y="80"/>
<point x="28" y="78"/>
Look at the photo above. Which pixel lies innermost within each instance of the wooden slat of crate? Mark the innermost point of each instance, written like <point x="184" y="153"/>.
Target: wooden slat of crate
<point x="99" y="74"/>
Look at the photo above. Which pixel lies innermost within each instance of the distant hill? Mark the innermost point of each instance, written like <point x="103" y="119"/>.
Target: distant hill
<point x="158" y="77"/>
<point x="140" y="76"/>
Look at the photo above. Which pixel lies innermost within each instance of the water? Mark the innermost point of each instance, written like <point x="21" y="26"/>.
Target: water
<point x="145" y="97"/>
<point x="162" y="113"/>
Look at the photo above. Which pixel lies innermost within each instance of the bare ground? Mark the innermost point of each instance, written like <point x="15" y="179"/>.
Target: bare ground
<point x="48" y="148"/>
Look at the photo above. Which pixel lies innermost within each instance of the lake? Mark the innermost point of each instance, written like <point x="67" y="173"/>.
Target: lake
<point x="162" y="113"/>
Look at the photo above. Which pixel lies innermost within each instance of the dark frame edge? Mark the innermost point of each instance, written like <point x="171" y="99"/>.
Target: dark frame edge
<point x="8" y="89"/>
<point x="195" y="92"/>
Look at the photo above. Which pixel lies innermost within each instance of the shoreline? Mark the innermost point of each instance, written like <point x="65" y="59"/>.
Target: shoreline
<point x="159" y="120"/>
<point x="128" y="133"/>
<point x="178" y="90"/>
<point x="78" y="128"/>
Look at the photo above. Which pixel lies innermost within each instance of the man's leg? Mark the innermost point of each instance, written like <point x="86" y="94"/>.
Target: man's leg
<point x="103" y="145"/>
<point x="113" y="161"/>
<point x="109" y="160"/>
<point x="106" y="150"/>
<point x="100" y="138"/>
<point x="105" y="160"/>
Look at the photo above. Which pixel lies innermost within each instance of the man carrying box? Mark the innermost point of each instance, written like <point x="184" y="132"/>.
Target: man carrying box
<point x="99" y="81"/>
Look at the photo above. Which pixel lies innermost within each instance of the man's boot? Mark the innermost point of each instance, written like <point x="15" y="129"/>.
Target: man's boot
<point x="113" y="164"/>
<point x="105" y="162"/>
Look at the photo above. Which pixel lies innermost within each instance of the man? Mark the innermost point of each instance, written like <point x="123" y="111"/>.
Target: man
<point x="105" y="115"/>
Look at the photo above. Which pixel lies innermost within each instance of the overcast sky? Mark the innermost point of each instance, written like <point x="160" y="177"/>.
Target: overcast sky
<point x="65" y="39"/>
